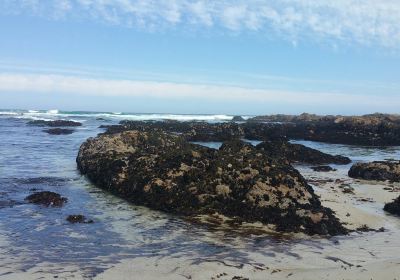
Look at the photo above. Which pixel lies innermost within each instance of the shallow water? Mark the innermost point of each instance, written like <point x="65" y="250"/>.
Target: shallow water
<point x="32" y="236"/>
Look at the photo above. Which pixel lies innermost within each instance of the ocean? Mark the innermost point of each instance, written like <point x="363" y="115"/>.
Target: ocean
<point x="39" y="241"/>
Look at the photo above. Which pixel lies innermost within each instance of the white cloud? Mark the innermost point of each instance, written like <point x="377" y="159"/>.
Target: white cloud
<point x="55" y="84"/>
<point x="366" y="22"/>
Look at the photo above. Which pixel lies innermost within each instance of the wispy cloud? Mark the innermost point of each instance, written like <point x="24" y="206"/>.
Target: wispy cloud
<point x="55" y="84"/>
<point x="366" y="22"/>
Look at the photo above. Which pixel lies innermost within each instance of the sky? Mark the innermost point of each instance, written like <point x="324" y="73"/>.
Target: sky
<point x="201" y="56"/>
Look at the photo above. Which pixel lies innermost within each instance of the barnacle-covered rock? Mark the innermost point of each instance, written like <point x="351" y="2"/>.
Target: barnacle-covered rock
<point x="165" y="172"/>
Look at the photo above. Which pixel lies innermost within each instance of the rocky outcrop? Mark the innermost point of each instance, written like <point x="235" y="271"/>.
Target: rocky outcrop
<point x="305" y="117"/>
<point x="275" y="145"/>
<point x="393" y="207"/>
<point x="191" y="131"/>
<point x="377" y="170"/>
<point x="294" y="153"/>
<point x="55" y="123"/>
<point x="59" y="131"/>
<point x="47" y="199"/>
<point x="165" y="172"/>
<point x="371" y="130"/>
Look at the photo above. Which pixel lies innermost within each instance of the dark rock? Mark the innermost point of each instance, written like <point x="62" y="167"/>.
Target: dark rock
<point x="365" y="228"/>
<point x="393" y="207"/>
<point x="299" y="153"/>
<point x="46" y="198"/>
<point x="275" y="145"/>
<point x="191" y="131"/>
<point x="323" y="168"/>
<point x="371" y="130"/>
<point x="165" y="172"/>
<point x="377" y="170"/>
<point x="59" y="131"/>
<point x="73" y="219"/>
<point x="238" y="119"/>
<point x="55" y="123"/>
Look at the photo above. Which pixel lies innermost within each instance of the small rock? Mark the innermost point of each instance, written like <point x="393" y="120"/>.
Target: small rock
<point x="393" y="207"/>
<point x="59" y="131"/>
<point x="55" y="123"/>
<point x="238" y="119"/>
<point x="73" y="219"/>
<point x="46" y="198"/>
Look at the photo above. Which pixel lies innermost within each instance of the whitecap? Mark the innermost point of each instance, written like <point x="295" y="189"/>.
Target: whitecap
<point x="8" y="113"/>
<point x="53" y="112"/>
<point x="176" y="117"/>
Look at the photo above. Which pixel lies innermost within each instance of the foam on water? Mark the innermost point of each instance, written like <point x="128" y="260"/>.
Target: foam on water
<point x="52" y="112"/>
<point x="56" y="114"/>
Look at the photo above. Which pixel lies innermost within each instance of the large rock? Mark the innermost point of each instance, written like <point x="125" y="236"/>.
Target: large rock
<point x="377" y="170"/>
<point x="191" y="131"/>
<point x="393" y="207"/>
<point x="165" y="172"/>
<point x="371" y="130"/>
<point x="299" y="153"/>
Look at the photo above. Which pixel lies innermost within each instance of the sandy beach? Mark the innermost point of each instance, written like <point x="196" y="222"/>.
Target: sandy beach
<point x="358" y="257"/>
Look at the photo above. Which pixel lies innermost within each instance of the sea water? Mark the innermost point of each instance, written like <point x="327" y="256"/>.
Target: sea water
<point x="34" y="236"/>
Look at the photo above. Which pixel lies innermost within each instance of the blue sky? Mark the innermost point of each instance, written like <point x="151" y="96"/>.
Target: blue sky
<point x="197" y="56"/>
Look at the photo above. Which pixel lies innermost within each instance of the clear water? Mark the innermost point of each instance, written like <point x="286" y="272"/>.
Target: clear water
<point x="31" y="235"/>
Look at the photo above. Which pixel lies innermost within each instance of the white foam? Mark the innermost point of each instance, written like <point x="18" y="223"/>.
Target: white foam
<point x="6" y="113"/>
<point x="159" y="117"/>
<point x="53" y="112"/>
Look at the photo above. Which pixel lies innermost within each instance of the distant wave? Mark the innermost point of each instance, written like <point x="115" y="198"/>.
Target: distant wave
<point x="53" y="112"/>
<point x="76" y="115"/>
<point x="9" y="113"/>
<point x="144" y="117"/>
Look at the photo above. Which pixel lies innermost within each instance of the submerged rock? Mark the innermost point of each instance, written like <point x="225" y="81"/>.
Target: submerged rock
<point x="323" y="168"/>
<point x="299" y="153"/>
<point x="377" y="170"/>
<point x="165" y="172"/>
<point x="393" y="207"/>
<point x="59" y="131"/>
<point x="46" y="198"/>
<point x="73" y="219"/>
<point x="55" y="123"/>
